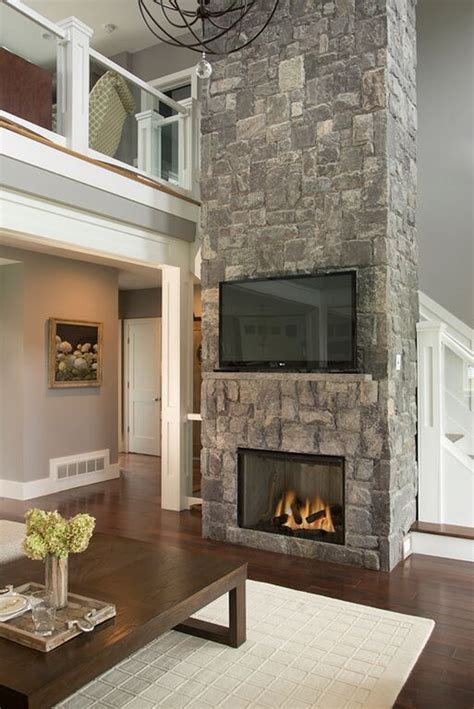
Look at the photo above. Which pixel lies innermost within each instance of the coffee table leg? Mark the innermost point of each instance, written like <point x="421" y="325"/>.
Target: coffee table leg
<point x="234" y="635"/>
<point x="237" y="616"/>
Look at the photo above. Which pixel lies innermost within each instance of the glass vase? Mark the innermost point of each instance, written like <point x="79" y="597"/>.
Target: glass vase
<point x="56" y="579"/>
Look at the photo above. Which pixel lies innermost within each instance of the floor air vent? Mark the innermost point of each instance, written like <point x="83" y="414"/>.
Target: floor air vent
<point x="76" y="465"/>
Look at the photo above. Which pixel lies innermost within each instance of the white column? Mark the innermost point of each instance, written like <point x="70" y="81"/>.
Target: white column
<point x="73" y="84"/>
<point x="177" y="323"/>
<point x="430" y="420"/>
<point x="149" y="142"/>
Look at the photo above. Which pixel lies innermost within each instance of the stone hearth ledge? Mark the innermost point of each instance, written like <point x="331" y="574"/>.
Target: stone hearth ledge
<point x="307" y="548"/>
<point x="346" y="377"/>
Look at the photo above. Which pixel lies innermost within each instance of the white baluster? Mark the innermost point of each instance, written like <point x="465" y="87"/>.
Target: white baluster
<point x="149" y="142"/>
<point x="430" y="420"/>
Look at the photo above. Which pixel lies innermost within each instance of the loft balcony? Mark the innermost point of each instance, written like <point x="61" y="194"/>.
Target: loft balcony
<point x="59" y="94"/>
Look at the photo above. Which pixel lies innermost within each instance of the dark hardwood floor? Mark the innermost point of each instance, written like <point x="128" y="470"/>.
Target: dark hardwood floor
<point x="435" y="588"/>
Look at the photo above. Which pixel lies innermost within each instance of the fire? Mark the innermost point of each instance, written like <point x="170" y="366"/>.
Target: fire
<point x="296" y="513"/>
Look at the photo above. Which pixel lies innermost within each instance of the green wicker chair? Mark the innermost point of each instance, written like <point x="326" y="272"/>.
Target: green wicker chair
<point x="110" y="101"/>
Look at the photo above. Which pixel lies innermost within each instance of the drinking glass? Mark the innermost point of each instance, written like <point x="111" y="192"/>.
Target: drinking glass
<point x="43" y="612"/>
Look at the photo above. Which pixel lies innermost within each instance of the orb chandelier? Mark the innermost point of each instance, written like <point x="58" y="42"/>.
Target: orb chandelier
<point x="207" y="24"/>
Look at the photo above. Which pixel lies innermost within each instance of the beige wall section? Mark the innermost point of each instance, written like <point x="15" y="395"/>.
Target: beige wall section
<point x="61" y="422"/>
<point x="141" y="303"/>
<point x="11" y="371"/>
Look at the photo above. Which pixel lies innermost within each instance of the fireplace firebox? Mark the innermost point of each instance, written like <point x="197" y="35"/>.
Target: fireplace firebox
<point x="294" y="494"/>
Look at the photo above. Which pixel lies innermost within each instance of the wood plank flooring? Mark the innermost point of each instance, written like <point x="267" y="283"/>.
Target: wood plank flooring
<point x="435" y="588"/>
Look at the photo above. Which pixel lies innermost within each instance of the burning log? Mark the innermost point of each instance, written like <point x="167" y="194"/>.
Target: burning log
<point x="295" y="510"/>
<point x="280" y="520"/>
<point x="315" y="516"/>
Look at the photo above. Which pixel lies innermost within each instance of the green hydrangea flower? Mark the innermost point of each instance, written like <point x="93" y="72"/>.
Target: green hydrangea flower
<point x="49" y="533"/>
<point x="35" y="546"/>
<point x="79" y="532"/>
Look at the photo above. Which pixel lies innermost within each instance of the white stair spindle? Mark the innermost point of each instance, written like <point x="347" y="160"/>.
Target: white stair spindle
<point x="430" y="419"/>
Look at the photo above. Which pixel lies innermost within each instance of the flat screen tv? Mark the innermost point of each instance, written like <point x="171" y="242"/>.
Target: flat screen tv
<point x="295" y="323"/>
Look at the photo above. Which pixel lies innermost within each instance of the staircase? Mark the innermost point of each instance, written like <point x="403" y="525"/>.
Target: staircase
<point x="445" y="434"/>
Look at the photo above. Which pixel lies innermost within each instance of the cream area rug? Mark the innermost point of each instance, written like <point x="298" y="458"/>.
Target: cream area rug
<point x="302" y="650"/>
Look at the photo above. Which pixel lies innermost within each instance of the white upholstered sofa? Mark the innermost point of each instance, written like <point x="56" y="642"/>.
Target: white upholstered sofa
<point x="11" y="538"/>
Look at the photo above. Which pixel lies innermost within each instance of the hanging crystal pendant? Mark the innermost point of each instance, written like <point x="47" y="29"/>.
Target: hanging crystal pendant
<point x="203" y="68"/>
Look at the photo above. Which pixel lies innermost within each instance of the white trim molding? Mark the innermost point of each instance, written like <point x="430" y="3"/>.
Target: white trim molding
<point x="28" y="218"/>
<point x="443" y="546"/>
<point x="47" y="486"/>
<point x="177" y="314"/>
<point x="69" y="165"/>
<point x="178" y="78"/>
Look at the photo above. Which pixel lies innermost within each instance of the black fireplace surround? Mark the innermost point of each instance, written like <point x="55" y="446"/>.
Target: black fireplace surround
<point x="294" y="494"/>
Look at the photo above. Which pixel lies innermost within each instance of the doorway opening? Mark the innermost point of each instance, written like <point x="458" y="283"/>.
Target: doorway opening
<point x="140" y="328"/>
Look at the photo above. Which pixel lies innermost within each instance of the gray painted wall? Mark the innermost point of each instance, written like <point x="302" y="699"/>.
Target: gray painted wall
<point x="161" y="60"/>
<point x="143" y="303"/>
<point x="11" y="370"/>
<point x="157" y="60"/>
<point x="445" y="79"/>
<point x="56" y="422"/>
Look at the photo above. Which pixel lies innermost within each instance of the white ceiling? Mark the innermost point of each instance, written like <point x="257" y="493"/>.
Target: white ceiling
<point x="23" y="37"/>
<point x="131" y="34"/>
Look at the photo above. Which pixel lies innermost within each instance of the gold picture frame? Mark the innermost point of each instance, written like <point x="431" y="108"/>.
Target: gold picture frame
<point x="75" y="353"/>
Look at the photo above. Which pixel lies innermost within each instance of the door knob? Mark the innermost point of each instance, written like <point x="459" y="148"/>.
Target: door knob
<point x="156" y="399"/>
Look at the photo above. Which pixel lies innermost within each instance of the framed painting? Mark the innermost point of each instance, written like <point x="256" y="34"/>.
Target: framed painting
<point x="75" y="353"/>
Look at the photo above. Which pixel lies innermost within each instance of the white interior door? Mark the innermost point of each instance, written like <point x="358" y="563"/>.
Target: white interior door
<point x="143" y="385"/>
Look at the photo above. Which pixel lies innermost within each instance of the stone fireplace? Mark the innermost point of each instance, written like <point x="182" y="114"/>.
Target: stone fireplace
<point x="309" y="165"/>
<point x="292" y="494"/>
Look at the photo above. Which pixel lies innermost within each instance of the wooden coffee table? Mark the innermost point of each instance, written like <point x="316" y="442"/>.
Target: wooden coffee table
<point x="155" y="588"/>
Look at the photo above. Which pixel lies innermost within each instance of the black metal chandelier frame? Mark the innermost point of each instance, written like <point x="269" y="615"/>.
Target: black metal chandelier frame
<point x="205" y="16"/>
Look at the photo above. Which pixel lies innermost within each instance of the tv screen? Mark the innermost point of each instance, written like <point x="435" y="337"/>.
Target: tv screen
<point x="296" y="323"/>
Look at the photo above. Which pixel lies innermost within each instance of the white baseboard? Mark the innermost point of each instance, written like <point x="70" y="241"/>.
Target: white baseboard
<point x="439" y="545"/>
<point x="47" y="486"/>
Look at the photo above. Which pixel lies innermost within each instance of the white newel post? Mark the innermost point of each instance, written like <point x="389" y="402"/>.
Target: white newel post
<point x="177" y="323"/>
<point x="73" y="84"/>
<point x="189" y="145"/>
<point x="193" y="146"/>
<point x="149" y="142"/>
<point x="430" y="420"/>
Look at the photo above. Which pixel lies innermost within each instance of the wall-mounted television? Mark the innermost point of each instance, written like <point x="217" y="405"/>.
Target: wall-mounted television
<point x="294" y="323"/>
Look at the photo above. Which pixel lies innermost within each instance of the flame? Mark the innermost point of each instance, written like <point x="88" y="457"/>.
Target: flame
<point x="298" y="511"/>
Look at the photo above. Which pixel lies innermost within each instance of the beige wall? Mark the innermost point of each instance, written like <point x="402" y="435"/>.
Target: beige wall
<point x="141" y="303"/>
<point x="11" y="371"/>
<point x="61" y="422"/>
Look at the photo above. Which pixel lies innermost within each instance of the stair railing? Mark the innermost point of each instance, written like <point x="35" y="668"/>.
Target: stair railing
<point x="433" y="340"/>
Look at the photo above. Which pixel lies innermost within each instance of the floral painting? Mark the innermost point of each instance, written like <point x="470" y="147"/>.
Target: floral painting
<point x="75" y="353"/>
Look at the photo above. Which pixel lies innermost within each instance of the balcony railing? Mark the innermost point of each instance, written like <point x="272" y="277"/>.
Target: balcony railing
<point x="91" y="105"/>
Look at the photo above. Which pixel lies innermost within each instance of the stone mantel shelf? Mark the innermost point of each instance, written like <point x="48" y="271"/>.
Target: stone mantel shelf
<point x="346" y="377"/>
